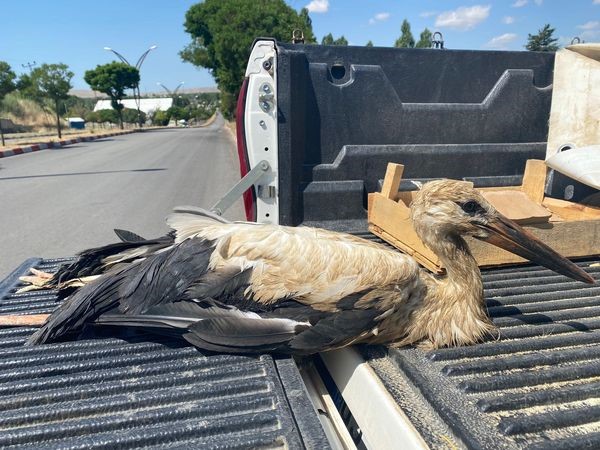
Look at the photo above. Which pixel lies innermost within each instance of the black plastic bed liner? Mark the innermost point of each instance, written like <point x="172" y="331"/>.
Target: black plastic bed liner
<point x="537" y="387"/>
<point x="128" y="393"/>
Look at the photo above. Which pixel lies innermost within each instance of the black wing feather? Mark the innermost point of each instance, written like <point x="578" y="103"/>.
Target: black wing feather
<point x="340" y="328"/>
<point x="128" y="236"/>
<point x="162" y="278"/>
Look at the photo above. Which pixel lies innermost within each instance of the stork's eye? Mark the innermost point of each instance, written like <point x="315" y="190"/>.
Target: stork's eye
<point x="470" y="207"/>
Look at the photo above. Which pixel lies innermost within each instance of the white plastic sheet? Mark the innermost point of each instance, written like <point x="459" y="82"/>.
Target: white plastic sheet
<point x="581" y="164"/>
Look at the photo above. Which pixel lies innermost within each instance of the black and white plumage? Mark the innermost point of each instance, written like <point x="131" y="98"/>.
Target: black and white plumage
<point x="246" y="287"/>
<point x="167" y="287"/>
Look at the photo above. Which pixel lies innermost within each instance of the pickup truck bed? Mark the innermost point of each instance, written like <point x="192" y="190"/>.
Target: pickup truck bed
<point x="135" y="392"/>
<point x="535" y="388"/>
<point x="337" y="117"/>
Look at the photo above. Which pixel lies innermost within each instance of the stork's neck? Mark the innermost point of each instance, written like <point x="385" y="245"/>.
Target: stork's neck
<point x="454" y="312"/>
<point x="462" y="272"/>
<point x="461" y="289"/>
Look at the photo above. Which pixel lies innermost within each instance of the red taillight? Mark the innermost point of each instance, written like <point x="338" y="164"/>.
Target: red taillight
<point x="249" y="195"/>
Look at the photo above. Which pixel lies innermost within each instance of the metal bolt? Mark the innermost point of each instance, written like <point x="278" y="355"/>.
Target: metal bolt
<point x="262" y="124"/>
<point x="267" y="64"/>
<point x="265" y="106"/>
<point x="264" y="166"/>
<point x="266" y="88"/>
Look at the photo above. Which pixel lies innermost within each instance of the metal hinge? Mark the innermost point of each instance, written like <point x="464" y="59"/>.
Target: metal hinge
<point x="241" y="186"/>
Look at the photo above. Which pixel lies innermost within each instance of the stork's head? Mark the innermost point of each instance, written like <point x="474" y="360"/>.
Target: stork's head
<point x="447" y="208"/>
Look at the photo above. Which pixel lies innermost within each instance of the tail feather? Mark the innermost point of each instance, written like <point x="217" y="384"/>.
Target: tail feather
<point x="92" y="261"/>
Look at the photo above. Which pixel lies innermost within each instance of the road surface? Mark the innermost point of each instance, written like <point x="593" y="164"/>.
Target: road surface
<point x="55" y="203"/>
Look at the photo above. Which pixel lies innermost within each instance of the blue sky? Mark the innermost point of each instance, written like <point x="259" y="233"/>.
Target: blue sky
<point x="75" y="32"/>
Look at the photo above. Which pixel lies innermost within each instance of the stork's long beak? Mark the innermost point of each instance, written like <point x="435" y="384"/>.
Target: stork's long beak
<point x="506" y="234"/>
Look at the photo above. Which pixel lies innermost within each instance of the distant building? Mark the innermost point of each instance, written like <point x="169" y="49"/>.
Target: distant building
<point x="76" y="122"/>
<point x="146" y="104"/>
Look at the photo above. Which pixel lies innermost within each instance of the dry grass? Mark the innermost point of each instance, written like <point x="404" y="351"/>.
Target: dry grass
<point x="45" y="138"/>
<point x="230" y="124"/>
<point x="27" y="113"/>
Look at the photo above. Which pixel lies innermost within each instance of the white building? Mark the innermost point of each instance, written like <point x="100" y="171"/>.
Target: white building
<point x="146" y="104"/>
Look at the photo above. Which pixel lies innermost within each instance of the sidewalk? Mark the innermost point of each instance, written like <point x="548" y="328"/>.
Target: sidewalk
<point x="18" y="150"/>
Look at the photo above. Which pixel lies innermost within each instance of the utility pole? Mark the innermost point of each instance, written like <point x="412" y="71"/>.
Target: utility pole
<point x="29" y="65"/>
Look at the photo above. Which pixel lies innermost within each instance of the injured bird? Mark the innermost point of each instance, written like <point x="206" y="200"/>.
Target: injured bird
<point x="248" y="287"/>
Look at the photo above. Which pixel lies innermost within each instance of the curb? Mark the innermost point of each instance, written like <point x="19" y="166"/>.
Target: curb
<point x="58" y="144"/>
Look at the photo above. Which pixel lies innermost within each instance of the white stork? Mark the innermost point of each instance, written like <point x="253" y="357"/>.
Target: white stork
<point x="245" y="287"/>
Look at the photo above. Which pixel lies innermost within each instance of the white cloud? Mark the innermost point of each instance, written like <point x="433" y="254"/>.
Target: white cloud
<point x="538" y="2"/>
<point x="463" y="18"/>
<point x="519" y="3"/>
<point x="591" y="30"/>
<point x="590" y="35"/>
<point x="427" y="14"/>
<point x="508" y="20"/>
<point x="318" y="6"/>
<point x="379" y="17"/>
<point x="501" y="42"/>
<point x="591" y="25"/>
<point x="596" y="2"/>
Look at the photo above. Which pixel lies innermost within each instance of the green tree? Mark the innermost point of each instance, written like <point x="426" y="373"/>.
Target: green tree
<point x="53" y="81"/>
<point x="222" y="35"/>
<point x="108" y="116"/>
<point x="178" y="113"/>
<point x="305" y="19"/>
<point x="26" y="86"/>
<point x="406" y="39"/>
<point x="7" y="84"/>
<point x="341" y="41"/>
<point x="369" y="44"/>
<point x="160" y="118"/>
<point x="113" y="79"/>
<point x="91" y="116"/>
<point x="131" y="116"/>
<point x="543" y="41"/>
<point x="424" y="39"/>
<point x="327" y="39"/>
<point x="7" y="79"/>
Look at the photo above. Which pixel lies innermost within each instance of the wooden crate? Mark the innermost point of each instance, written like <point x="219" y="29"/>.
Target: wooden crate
<point x="570" y="228"/>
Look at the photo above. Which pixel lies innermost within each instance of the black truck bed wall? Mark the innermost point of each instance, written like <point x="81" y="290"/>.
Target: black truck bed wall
<point x="344" y="112"/>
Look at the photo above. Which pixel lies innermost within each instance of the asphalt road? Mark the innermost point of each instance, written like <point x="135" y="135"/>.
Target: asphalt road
<point x="56" y="203"/>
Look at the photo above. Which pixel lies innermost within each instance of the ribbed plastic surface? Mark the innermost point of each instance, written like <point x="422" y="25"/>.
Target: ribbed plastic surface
<point x="538" y="386"/>
<point x="116" y="393"/>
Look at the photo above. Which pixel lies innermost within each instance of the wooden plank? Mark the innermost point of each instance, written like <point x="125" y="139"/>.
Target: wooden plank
<point x="499" y="188"/>
<point x="23" y="320"/>
<point x="571" y="211"/>
<point x="517" y="206"/>
<point x="573" y="230"/>
<point x="434" y="266"/>
<point x="391" y="221"/>
<point x="391" y="181"/>
<point x="394" y="219"/>
<point x="406" y="197"/>
<point x="534" y="180"/>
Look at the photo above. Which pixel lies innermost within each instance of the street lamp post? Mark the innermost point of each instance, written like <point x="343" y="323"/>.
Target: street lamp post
<point x="171" y="93"/>
<point x="138" y="65"/>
